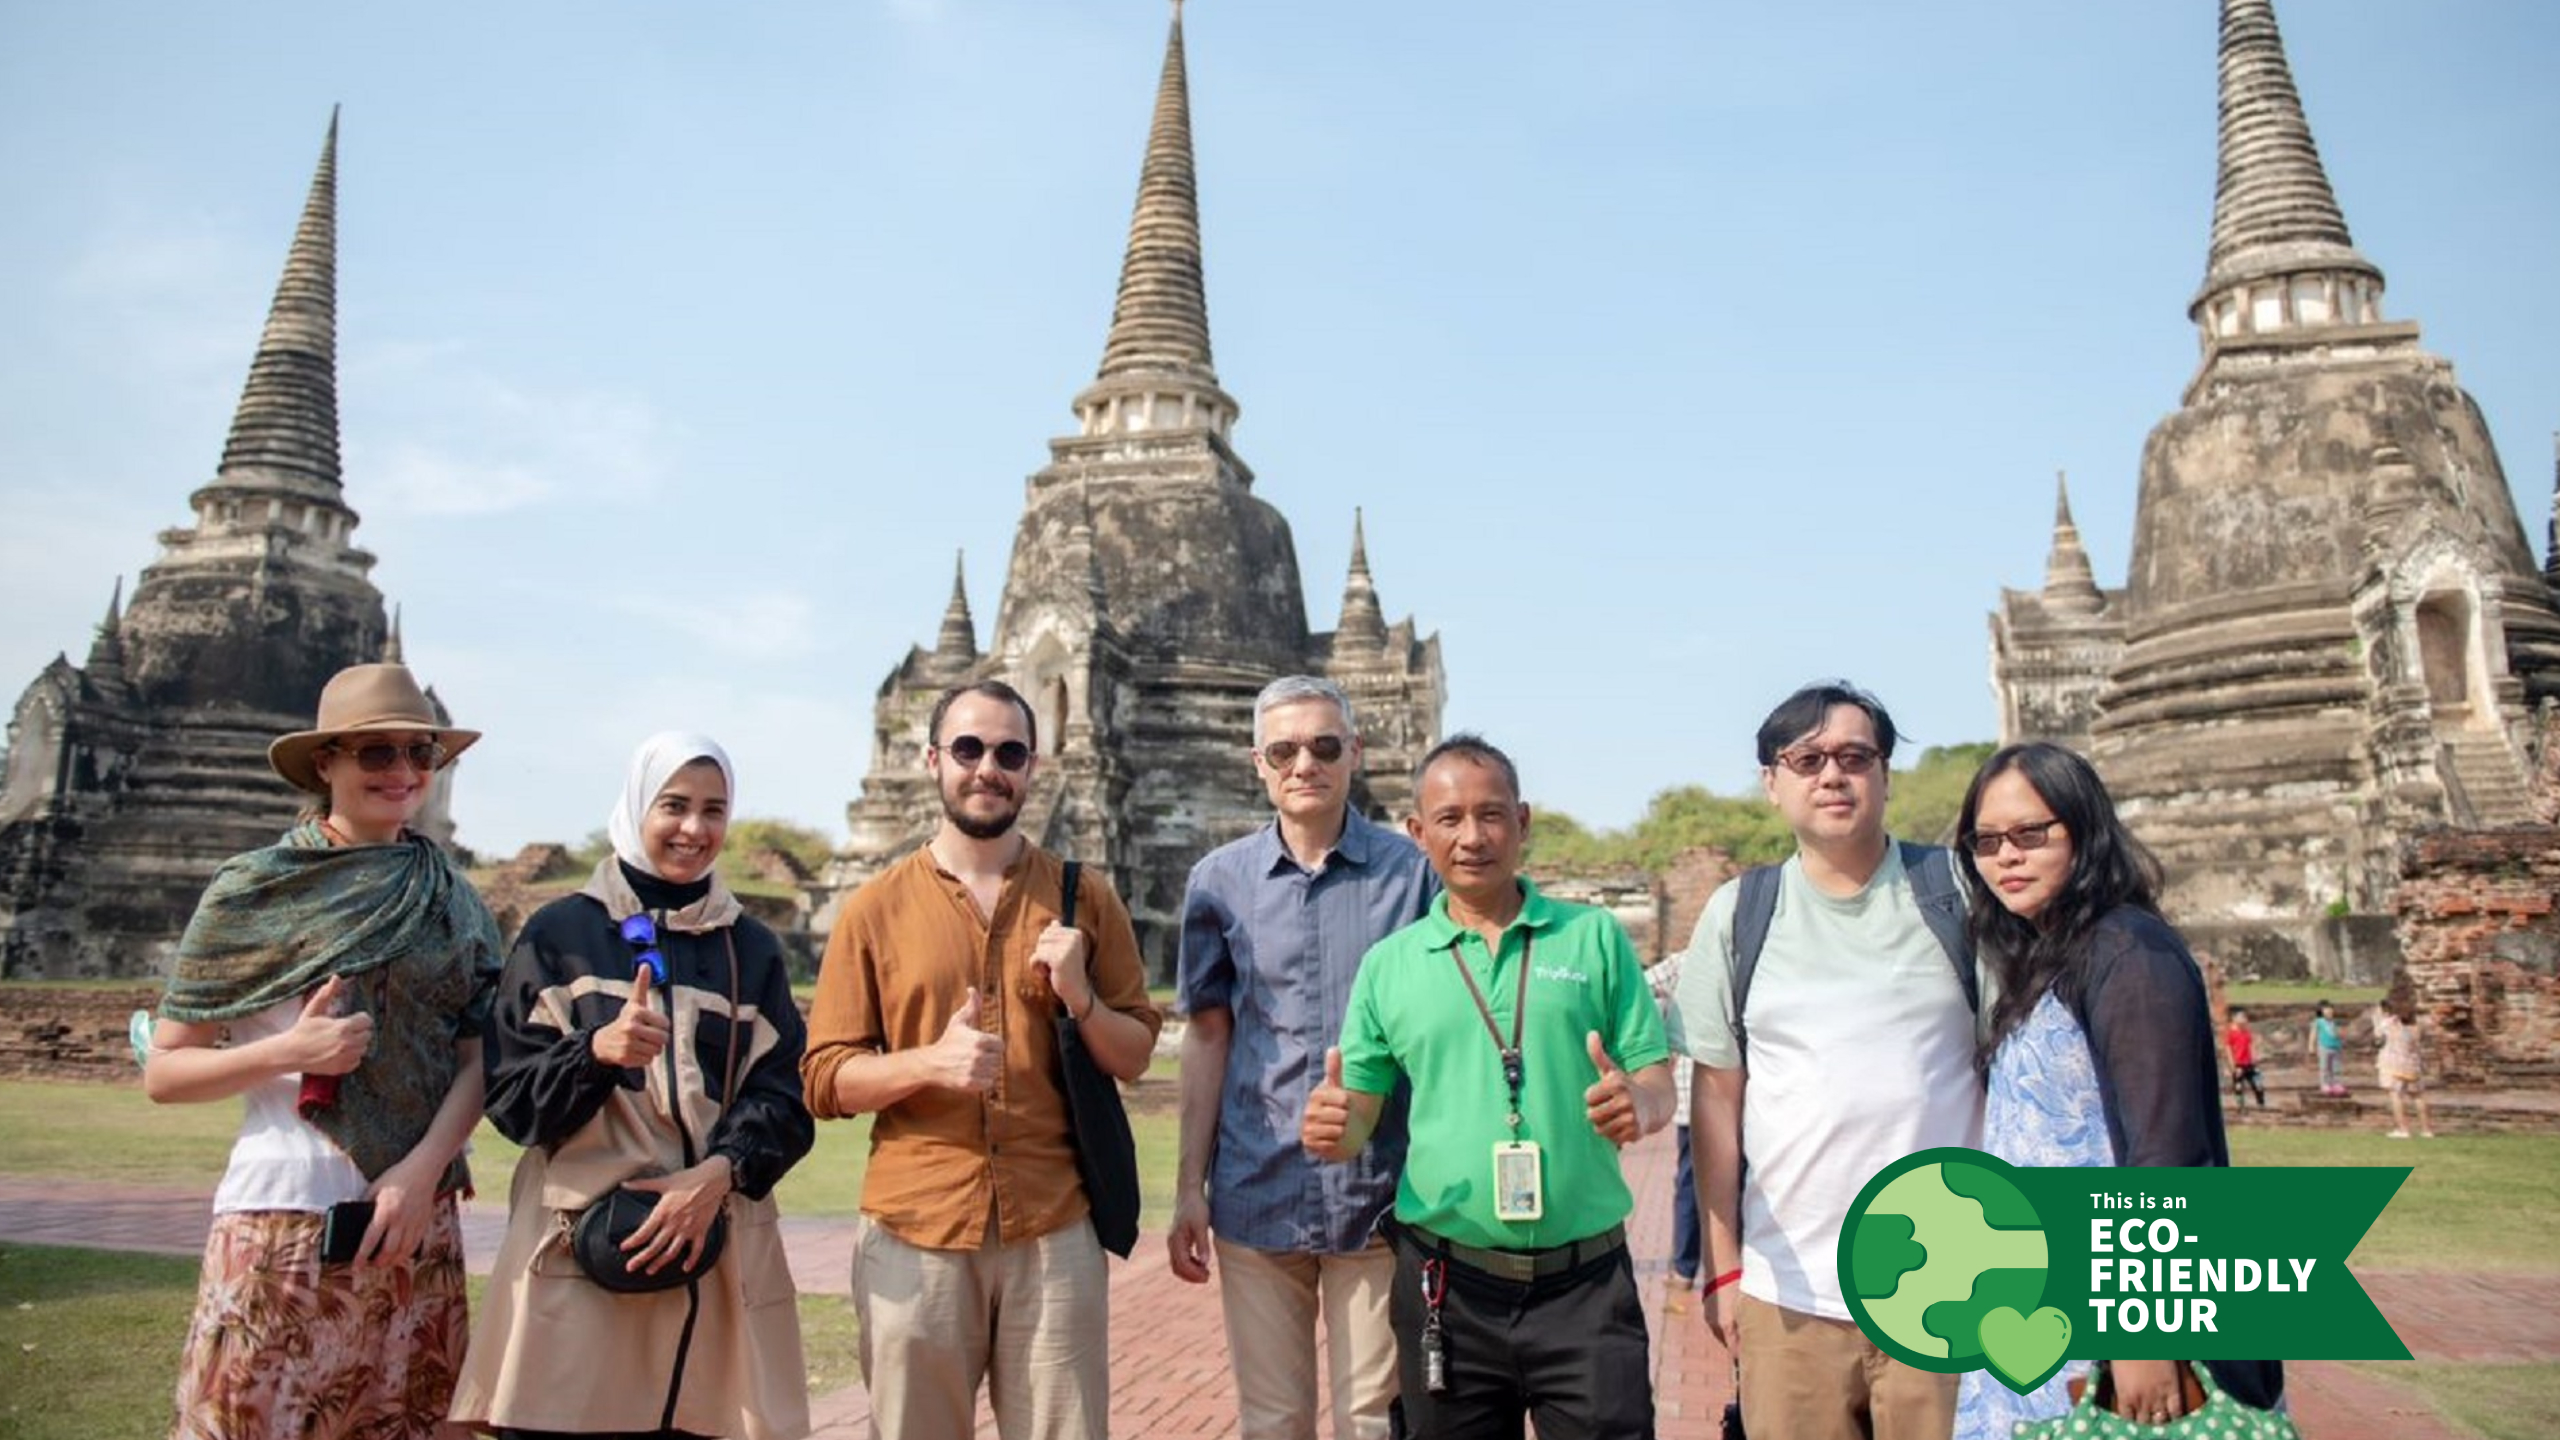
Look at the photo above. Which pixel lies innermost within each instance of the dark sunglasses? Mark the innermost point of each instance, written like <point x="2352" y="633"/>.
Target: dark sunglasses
<point x="1808" y="761"/>
<point x="641" y="934"/>
<point x="381" y="755"/>
<point x="1986" y="843"/>
<point x="968" y="750"/>
<point x="1281" y="754"/>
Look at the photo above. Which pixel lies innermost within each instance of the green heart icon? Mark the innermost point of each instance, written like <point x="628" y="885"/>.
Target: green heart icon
<point x="2025" y="1350"/>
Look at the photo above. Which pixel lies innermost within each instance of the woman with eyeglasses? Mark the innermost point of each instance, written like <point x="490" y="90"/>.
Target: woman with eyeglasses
<point x="2099" y="1047"/>
<point x="645" y="1047"/>
<point x="335" y="981"/>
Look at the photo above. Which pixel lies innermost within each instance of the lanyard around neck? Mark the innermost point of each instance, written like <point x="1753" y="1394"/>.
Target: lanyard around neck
<point x="1513" y="1072"/>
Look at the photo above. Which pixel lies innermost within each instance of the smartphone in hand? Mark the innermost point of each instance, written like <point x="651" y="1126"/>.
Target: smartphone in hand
<point x="343" y="1230"/>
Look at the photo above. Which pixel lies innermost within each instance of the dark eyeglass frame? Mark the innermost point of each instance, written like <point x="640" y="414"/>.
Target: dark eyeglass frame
<point x="1328" y="750"/>
<point x="377" y="756"/>
<point x="1807" y="761"/>
<point x="641" y="934"/>
<point x="968" y="751"/>
<point x="1985" y="844"/>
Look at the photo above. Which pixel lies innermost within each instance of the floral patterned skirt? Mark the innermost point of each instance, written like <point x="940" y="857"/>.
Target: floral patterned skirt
<point x="284" y="1346"/>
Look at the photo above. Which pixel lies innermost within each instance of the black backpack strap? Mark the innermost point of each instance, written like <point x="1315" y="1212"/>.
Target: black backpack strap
<point x="1758" y="905"/>
<point x="1932" y="870"/>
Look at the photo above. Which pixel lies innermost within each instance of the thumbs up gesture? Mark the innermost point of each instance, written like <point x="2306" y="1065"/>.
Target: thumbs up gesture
<point x="966" y="1057"/>
<point x="1327" y="1126"/>
<point x="323" y="1041"/>
<point x="639" y="1035"/>
<point x="1611" y="1100"/>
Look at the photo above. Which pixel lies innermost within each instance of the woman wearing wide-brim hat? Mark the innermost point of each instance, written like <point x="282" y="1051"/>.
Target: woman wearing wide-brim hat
<point x="336" y="981"/>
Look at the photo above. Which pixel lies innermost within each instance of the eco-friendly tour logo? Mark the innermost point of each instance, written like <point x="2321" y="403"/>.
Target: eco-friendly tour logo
<point x="1955" y="1260"/>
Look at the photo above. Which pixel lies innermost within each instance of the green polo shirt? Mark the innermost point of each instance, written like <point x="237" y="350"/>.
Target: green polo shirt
<point x="1411" y="1018"/>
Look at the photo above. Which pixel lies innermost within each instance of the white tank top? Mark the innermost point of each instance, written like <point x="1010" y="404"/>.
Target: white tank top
<point x="281" y="1161"/>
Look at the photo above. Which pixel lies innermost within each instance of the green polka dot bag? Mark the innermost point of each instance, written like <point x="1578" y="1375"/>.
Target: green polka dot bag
<point x="2220" y="1417"/>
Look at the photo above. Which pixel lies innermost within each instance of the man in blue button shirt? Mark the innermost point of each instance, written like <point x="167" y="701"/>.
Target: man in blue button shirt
<point x="1273" y="928"/>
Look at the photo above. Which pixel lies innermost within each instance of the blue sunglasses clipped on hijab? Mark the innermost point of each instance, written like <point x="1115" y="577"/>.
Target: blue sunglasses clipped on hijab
<point x="642" y="936"/>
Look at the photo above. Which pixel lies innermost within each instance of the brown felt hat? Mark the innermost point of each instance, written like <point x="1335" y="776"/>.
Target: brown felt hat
<point x="357" y="699"/>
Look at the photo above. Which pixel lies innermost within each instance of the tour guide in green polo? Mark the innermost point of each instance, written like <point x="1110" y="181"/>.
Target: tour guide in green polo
<point x="1517" y="1020"/>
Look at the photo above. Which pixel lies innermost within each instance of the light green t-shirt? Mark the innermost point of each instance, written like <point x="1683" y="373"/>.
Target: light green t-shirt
<point x="1411" y="1018"/>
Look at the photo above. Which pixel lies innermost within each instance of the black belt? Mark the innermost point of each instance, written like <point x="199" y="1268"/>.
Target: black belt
<point x="1521" y="1266"/>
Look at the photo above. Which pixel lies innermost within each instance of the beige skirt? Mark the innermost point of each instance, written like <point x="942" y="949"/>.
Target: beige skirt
<point x="282" y="1345"/>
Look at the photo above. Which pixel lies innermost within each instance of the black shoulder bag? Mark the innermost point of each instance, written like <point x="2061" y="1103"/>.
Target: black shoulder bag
<point x="1106" y="1153"/>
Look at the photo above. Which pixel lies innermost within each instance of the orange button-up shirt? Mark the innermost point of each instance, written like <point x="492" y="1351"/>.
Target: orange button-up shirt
<point x="906" y="948"/>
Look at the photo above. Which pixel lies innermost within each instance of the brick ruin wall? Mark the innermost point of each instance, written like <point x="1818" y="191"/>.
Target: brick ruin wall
<point x="67" y="1032"/>
<point x="2479" y="917"/>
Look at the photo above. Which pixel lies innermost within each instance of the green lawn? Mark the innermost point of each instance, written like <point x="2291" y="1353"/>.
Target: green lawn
<point x="2344" y="1000"/>
<point x="2472" y="1202"/>
<point x="114" y="1132"/>
<point x="2497" y="1402"/>
<point x="62" y="1310"/>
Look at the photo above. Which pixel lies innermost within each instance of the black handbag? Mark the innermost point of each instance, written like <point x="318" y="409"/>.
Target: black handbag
<point x="1106" y="1153"/>
<point x="597" y="1235"/>
<point x="596" y="1240"/>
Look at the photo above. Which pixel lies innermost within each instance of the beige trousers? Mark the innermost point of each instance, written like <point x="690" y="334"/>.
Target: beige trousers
<point x="1032" y="1319"/>
<point x="1807" y="1378"/>
<point x="1271" y="1299"/>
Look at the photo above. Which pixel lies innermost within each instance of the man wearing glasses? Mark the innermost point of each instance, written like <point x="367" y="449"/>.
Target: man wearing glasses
<point x="1841" y="1041"/>
<point x="1273" y="928"/>
<point x="934" y="1006"/>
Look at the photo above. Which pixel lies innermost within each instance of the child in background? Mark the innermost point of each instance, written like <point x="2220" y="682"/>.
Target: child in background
<point x="2395" y="1024"/>
<point x="2328" y="1050"/>
<point x="2243" y="1043"/>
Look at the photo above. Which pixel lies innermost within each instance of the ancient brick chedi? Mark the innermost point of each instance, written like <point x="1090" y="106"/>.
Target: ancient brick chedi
<point x="130" y="777"/>
<point x="1150" y="595"/>
<point x="2335" y="632"/>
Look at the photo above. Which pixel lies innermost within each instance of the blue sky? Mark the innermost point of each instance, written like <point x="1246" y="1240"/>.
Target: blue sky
<point x="1678" y="352"/>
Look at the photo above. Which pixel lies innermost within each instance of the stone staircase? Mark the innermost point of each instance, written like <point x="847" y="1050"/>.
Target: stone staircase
<point x="2486" y="780"/>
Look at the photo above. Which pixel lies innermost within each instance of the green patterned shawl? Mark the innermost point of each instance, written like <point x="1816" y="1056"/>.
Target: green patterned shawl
<point x="419" y="951"/>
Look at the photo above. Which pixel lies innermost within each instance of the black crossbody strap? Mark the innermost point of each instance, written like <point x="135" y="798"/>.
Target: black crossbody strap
<point x="1074" y="871"/>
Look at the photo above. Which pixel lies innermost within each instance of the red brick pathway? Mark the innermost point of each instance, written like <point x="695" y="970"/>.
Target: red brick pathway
<point x="1169" y="1350"/>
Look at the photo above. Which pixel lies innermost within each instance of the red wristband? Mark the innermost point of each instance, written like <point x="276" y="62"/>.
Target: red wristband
<point x="1720" y="1282"/>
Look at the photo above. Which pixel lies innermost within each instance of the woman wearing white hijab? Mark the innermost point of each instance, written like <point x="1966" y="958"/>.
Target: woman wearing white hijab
<point x="645" y="1039"/>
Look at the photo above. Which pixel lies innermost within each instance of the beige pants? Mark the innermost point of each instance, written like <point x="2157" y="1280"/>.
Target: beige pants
<point x="1807" y="1378"/>
<point x="1271" y="1299"/>
<point x="1031" y="1318"/>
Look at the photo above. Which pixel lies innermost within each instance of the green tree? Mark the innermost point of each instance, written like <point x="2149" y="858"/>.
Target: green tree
<point x="1922" y="806"/>
<point x="1927" y="796"/>
<point x="801" y="843"/>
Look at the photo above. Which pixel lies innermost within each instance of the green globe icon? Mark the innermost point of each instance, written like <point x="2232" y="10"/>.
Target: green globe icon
<point x="1936" y="1242"/>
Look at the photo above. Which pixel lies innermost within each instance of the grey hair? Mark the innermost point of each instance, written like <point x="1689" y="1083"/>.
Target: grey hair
<point x="1290" y="689"/>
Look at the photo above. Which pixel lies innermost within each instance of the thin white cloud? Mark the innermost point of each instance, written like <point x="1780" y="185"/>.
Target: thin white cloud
<point x="163" y="296"/>
<point x="413" y="479"/>
<point x="458" y="440"/>
<point x="767" y="625"/>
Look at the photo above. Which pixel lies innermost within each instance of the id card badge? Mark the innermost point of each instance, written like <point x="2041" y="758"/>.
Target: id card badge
<point x="1519" y="1181"/>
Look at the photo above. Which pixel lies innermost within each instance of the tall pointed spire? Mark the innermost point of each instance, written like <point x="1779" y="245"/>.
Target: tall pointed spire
<point x="285" y="434"/>
<point x="106" y="652"/>
<point x="959" y="639"/>
<point x="2274" y="214"/>
<point x="392" y="652"/>
<point x="1160" y="323"/>
<point x="1156" y="370"/>
<point x="2551" y="541"/>
<point x="2070" y="585"/>
<point x="1362" y="629"/>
